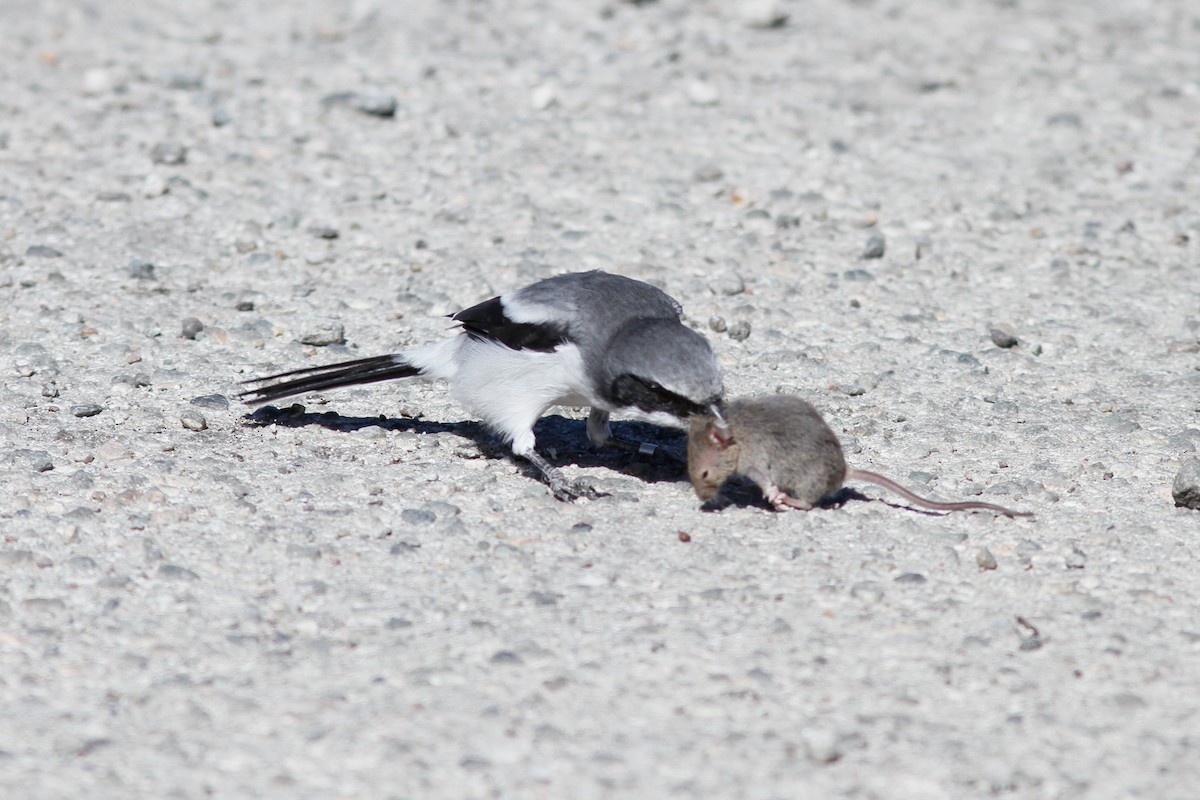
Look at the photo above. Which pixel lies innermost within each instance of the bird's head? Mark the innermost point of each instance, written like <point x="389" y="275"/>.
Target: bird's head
<point x="662" y="371"/>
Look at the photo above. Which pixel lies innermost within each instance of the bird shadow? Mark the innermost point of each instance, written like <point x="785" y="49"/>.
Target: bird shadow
<point x="561" y="441"/>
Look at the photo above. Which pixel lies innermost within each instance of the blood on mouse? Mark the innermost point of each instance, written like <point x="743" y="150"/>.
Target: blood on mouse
<point x="784" y="445"/>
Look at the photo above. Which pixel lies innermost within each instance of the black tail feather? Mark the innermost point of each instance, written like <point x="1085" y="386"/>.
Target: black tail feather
<point x="328" y="376"/>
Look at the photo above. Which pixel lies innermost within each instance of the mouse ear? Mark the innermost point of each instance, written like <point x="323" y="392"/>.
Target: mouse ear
<point x="719" y="434"/>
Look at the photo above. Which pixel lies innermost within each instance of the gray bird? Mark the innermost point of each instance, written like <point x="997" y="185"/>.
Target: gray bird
<point x="581" y="339"/>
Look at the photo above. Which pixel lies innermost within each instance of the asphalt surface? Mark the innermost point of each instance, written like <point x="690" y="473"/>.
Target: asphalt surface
<point x="864" y="203"/>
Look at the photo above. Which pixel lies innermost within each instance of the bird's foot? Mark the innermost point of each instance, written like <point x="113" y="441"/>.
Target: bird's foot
<point x="561" y="487"/>
<point x="569" y="491"/>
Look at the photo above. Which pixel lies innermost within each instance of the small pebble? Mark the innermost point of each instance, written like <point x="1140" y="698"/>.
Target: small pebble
<point x="175" y="572"/>
<point x="186" y="80"/>
<point x="376" y="104"/>
<point x="38" y="459"/>
<point x="323" y="333"/>
<point x="42" y="251"/>
<point x="739" y="331"/>
<point x="220" y="117"/>
<point x="707" y="173"/>
<point x="140" y="270"/>
<point x="728" y="284"/>
<point x="1186" y="488"/>
<point x="876" y="246"/>
<point x="717" y="323"/>
<point x="170" y="153"/>
<point x="217" y="401"/>
<point x="820" y="745"/>
<point x="1003" y="335"/>
<point x="867" y="591"/>
<point x="49" y="389"/>
<point x="985" y="559"/>
<point x="910" y="577"/>
<point x="417" y="516"/>
<point x="191" y="327"/>
<point x="193" y="421"/>
<point x="506" y="657"/>
<point x="544" y="96"/>
<point x="86" y="410"/>
<point x="97" y="81"/>
<point x="323" y="231"/>
<point x="763" y="14"/>
<point x="702" y="93"/>
<point x="154" y="185"/>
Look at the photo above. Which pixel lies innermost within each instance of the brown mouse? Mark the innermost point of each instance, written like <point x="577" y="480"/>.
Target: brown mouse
<point x="784" y="445"/>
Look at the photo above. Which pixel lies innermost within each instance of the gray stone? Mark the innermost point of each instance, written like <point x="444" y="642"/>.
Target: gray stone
<point x="190" y="327"/>
<point x="169" y="153"/>
<point x="763" y="14"/>
<point x="1003" y="335"/>
<point x="218" y="402"/>
<point x="739" y="331"/>
<point x="323" y="230"/>
<point x="140" y="269"/>
<point x="42" y="251"/>
<point x="186" y="80"/>
<point x="875" y="247"/>
<point x="376" y="104"/>
<point x="176" y="573"/>
<point x="418" y="516"/>
<point x="86" y="409"/>
<point x="193" y="421"/>
<point x="321" y="333"/>
<point x="506" y="657"/>
<point x="820" y="745"/>
<point x="1186" y="487"/>
<point x="985" y="559"/>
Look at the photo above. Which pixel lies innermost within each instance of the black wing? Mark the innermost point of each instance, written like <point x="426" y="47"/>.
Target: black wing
<point x="489" y="321"/>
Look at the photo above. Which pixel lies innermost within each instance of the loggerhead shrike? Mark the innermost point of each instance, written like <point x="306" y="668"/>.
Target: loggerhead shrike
<point x="581" y="339"/>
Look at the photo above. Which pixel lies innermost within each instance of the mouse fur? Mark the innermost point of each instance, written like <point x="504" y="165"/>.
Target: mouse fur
<point x="783" y="444"/>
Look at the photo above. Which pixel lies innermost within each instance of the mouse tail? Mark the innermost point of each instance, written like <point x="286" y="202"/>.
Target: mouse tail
<point x="933" y="505"/>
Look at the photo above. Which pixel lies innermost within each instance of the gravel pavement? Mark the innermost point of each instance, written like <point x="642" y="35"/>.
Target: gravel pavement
<point x="968" y="232"/>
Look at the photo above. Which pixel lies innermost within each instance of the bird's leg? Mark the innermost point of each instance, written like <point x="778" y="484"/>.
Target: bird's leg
<point x="600" y="433"/>
<point x="560" y="486"/>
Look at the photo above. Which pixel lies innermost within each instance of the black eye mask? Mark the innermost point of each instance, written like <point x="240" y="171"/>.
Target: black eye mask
<point x="630" y="390"/>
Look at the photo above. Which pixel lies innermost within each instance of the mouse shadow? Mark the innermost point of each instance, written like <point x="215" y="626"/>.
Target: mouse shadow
<point x="562" y="441"/>
<point x="744" y="493"/>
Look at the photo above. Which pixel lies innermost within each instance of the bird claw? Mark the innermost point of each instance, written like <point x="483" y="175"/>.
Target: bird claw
<point x="570" y="491"/>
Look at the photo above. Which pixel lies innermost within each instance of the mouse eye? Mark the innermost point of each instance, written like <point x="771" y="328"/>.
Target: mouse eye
<point x="704" y="474"/>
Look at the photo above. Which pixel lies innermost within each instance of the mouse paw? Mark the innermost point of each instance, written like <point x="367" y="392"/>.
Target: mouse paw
<point x="784" y="502"/>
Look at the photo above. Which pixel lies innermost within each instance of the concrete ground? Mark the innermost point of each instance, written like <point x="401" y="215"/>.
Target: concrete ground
<point x="857" y="201"/>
